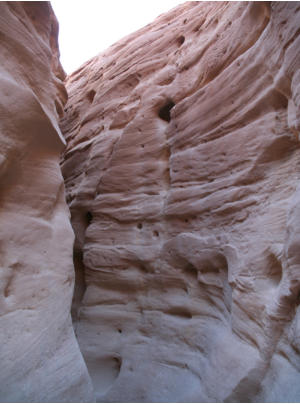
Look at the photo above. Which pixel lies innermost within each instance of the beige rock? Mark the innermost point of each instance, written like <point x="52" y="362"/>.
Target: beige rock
<point x="39" y="356"/>
<point x="181" y="170"/>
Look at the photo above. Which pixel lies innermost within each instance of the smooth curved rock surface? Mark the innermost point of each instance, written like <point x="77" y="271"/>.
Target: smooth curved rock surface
<point x="182" y="177"/>
<point x="40" y="358"/>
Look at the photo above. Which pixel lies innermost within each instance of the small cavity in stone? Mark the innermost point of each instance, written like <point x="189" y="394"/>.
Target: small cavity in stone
<point x="164" y="112"/>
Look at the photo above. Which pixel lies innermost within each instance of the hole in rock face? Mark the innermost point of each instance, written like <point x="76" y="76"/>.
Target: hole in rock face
<point x="156" y="233"/>
<point x="180" y="40"/>
<point x="139" y="226"/>
<point x="91" y="95"/>
<point x="89" y="217"/>
<point x="104" y="370"/>
<point x="164" y="112"/>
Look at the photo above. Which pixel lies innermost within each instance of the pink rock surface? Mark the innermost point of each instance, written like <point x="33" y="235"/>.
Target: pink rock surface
<point x="40" y="358"/>
<point x="181" y="170"/>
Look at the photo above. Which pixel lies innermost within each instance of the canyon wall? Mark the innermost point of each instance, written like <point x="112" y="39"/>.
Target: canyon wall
<point x="40" y="358"/>
<point x="182" y="173"/>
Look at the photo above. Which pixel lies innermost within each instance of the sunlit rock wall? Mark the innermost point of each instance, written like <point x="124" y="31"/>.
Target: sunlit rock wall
<point x="39" y="356"/>
<point x="181" y="170"/>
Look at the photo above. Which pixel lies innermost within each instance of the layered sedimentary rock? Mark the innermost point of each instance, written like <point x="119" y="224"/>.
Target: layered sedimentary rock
<point x="39" y="356"/>
<point x="181" y="170"/>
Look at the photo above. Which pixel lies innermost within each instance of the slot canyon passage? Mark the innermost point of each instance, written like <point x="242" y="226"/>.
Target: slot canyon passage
<point x="174" y="156"/>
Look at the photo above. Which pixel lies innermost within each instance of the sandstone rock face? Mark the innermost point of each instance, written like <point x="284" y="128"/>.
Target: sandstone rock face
<point x="40" y="358"/>
<point x="181" y="170"/>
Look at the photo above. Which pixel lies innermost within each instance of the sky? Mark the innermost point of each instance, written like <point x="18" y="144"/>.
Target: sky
<point x="88" y="27"/>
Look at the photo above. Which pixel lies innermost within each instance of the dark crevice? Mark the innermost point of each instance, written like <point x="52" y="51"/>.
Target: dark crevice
<point x="79" y="287"/>
<point x="89" y="217"/>
<point x="59" y="109"/>
<point x="180" y="312"/>
<point x="190" y="269"/>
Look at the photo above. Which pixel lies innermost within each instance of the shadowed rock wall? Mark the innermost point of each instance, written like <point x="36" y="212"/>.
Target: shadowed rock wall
<point x="181" y="170"/>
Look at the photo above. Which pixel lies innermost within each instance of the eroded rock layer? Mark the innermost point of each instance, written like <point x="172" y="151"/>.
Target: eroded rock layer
<point x="39" y="356"/>
<point x="181" y="170"/>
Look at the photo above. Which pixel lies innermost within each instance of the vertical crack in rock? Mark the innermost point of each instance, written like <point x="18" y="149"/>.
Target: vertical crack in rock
<point x="181" y="173"/>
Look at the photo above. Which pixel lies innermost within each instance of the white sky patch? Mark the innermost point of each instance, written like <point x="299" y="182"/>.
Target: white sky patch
<point x="88" y="27"/>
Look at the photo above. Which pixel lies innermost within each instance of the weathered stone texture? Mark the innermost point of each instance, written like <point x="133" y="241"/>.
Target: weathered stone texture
<point x="40" y="358"/>
<point x="181" y="170"/>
